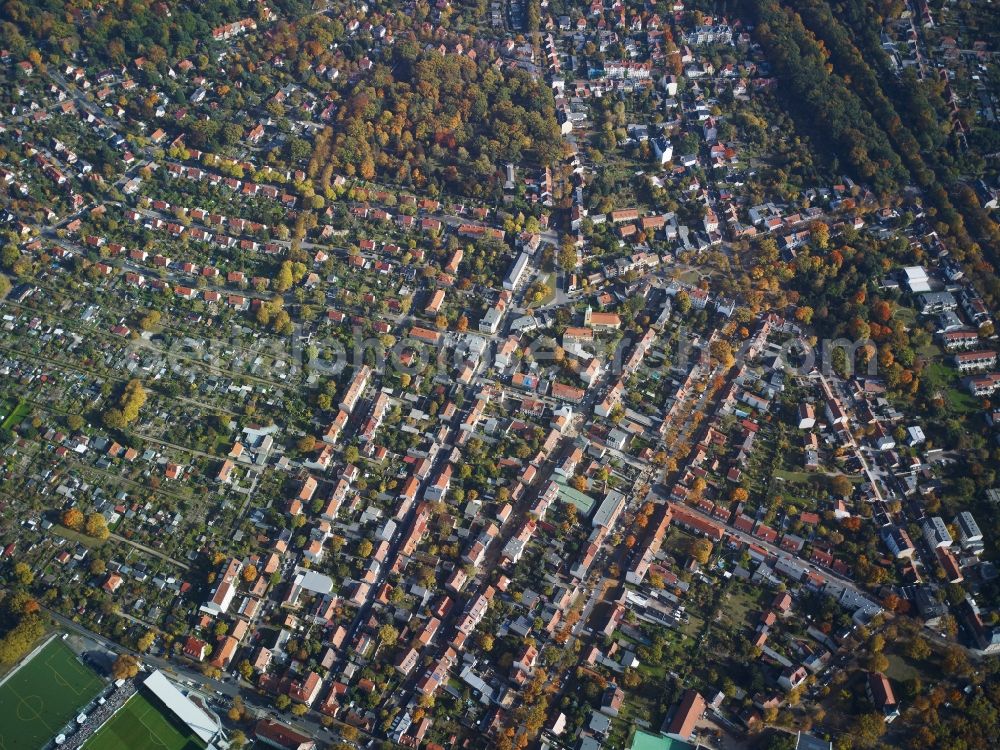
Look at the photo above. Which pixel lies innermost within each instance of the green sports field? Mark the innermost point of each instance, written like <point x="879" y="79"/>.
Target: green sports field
<point x="42" y="696"/>
<point x="140" y="723"/>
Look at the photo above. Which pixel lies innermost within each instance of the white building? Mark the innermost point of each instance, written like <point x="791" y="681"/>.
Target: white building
<point x="516" y="273"/>
<point x="490" y="322"/>
<point x="936" y="532"/>
<point x="968" y="532"/>
<point x="916" y="279"/>
<point x="663" y="149"/>
<point x="194" y="717"/>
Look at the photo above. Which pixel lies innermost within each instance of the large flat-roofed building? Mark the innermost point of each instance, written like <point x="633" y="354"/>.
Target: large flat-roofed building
<point x="916" y="279"/>
<point x="936" y="532"/>
<point x="199" y="721"/>
<point x="516" y="272"/>
<point x="609" y="510"/>
<point x="968" y="530"/>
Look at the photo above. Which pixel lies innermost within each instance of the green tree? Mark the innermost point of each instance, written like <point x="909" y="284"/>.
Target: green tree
<point x="878" y="663"/>
<point x="150" y="320"/>
<point x="918" y="649"/>
<point x="567" y="256"/>
<point x="722" y="351"/>
<point x="388" y="635"/>
<point x="868" y="729"/>
<point x="701" y="550"/>
<point x="283" y="281"/>
<point x="683" y="302"/>
<point x="22" y="571"/>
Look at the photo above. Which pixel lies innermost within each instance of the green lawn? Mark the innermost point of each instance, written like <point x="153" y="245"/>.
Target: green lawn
<point x="76" y="536"/>
<point x="737" y="606"/>
<point x="12" y="417"/>
<point x="900" y="668"/>
<point x="38" y="700"/>
<point x="6" y="407"/>
<point x="945" y="379"/>
<point x="141" y="724"/>
<point x="549" y="280"/>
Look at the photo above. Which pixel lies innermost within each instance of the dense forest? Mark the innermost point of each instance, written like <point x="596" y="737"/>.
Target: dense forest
<point x="438" y="122"/>
<point x="824" y="100"/>
<point x="116" y="32"/>
<point x="833" y="88"/>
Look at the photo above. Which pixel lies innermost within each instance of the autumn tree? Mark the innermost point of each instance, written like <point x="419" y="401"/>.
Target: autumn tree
<point x="150" y="320"/>
<point x="127" y="408"/>
<point x="841" y="485"/>
<point x="388" y="635"/>
<point x="72" y="519"/>
<point x="97" y="526"/>
<point x="19" y="639"/>
<point x="349" y="733"/>
<point x="701" y="550"/>
<point x="125" y="667"/>
<point x="868" y="729"/>
<point x="955" y="661"/>
<point x="283" y="280"/>
<point x="918" y="649"/>
<point x="567" y="256"/>
<point x="722" y="352"/>
<point x="23" y="574"/>
<point x="878" y="662"/>
<point x="683" y="302"/>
